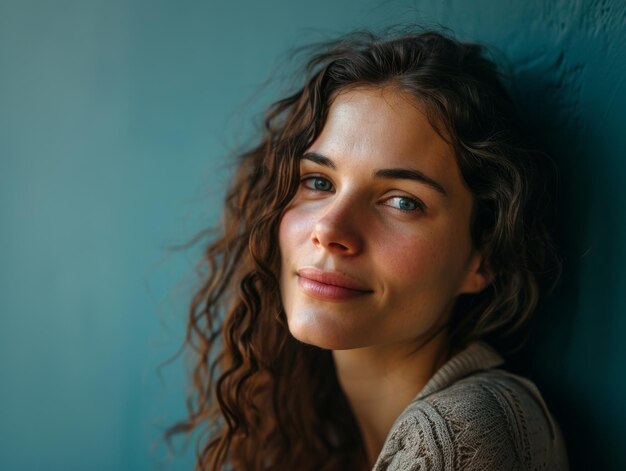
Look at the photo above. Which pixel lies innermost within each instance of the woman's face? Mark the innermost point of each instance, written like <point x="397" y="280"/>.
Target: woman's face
<point x="375" y="245"/>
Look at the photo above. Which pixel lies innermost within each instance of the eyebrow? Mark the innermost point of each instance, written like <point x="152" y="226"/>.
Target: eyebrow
<point x="392" y="173"/>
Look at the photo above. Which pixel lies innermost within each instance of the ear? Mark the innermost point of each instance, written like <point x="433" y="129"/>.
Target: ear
<point x="477" y="276"/>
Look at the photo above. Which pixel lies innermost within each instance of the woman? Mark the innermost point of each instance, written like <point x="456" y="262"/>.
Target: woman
<point x="387" y="225"/>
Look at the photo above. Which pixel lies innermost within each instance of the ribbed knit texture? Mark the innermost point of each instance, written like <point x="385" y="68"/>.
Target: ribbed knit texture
<point x="471" y="416"/>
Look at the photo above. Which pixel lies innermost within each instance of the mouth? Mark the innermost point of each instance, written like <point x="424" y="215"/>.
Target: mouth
<point x="330" y="286"/>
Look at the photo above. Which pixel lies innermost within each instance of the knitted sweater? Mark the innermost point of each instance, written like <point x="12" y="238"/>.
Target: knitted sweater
<point x="471" y="416"/>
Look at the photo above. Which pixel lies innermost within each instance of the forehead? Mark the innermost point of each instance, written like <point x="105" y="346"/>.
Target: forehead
<point x="382" y="127"/>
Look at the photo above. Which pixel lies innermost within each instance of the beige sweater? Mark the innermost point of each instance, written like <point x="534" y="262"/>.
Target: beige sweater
<point x="471" y="416"/>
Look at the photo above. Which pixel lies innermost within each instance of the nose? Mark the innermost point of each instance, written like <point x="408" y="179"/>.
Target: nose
<point x="338" y="229"/>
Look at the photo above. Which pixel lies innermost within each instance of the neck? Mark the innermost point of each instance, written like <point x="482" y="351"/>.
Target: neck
<point x="380" y="381"/>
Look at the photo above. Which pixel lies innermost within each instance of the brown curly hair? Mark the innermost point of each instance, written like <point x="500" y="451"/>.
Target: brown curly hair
<point x="267" y="401"/>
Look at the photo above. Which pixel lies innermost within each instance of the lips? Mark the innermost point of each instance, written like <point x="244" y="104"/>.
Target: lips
<point x="332" y="286"/>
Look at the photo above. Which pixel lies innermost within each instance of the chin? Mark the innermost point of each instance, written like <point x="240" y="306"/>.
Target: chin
<point x="326" y="335"/>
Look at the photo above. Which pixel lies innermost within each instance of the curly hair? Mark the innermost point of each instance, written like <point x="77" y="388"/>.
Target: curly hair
<point x="267" y="401"/>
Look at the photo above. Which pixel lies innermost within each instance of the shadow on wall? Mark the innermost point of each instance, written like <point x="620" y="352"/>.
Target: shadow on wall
<point x="567" y="347"/>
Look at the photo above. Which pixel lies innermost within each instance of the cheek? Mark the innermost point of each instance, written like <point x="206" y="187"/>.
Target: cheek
<point x="406" y="254"/>
<point x="425" y="259"/>
<point x="293" y="231"/>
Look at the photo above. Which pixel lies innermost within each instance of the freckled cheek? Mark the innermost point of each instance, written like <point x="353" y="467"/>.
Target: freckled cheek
<point x="413" y="258"/>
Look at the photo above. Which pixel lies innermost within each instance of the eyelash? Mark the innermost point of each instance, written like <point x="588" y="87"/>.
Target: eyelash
<point x="419" y="206"/>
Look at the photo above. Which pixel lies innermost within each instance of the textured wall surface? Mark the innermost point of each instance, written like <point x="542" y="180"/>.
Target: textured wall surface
<point x="116" y="120"/>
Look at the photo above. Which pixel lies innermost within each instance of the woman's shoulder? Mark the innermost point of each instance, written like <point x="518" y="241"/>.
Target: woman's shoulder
<point x="487" y="420"/>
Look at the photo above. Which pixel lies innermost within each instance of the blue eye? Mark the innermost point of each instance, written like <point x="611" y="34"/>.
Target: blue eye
<point x="404" y="203"/>
<point x="317" y="183"/>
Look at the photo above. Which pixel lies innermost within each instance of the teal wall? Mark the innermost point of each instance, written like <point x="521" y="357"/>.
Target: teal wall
<point x="116" y="119"/>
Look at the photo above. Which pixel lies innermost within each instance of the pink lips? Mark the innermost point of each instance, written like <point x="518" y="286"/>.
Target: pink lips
<point x="329" y="286"/>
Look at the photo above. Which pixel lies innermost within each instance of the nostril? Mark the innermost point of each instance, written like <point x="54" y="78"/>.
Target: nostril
<point x="335" y="236"/>
<point x="338" y="246"/>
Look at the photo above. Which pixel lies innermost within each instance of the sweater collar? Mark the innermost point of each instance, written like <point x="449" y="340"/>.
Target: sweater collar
<point x="476" y="356"/>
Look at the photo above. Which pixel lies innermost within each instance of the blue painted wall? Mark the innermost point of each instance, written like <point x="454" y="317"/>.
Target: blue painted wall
<point x="116" y="120"/>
